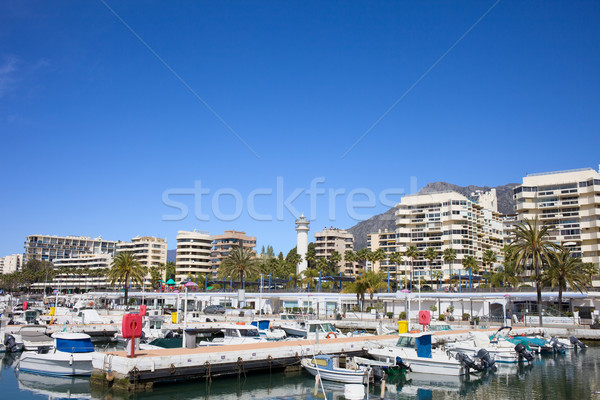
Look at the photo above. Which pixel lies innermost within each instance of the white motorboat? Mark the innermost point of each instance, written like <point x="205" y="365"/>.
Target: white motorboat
<point x="501" y="351"/>
<point x="267" y="331"/>
<point x="70" y="356"/>
<point x="34" y="337"/>
<point x="236" y="334"/>
<point x="310" y="329"/>
<point x="413" y="350"/>
<point x="337" y="369"/>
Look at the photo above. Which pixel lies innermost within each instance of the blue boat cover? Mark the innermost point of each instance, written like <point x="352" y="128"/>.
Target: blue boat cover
<point x="424" y="346"/>
<point x="74" y="345"/>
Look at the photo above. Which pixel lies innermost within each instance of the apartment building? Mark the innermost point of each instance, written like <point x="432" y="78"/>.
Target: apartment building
<point x="10" y="264"/>
<point x="79" y="272"/>
<point x="49" y="248"/>
<point x="333" y="239"/>
<point x="193" y="254"/>
<point x="387" y="241"/>
<point x="570" y="201"/>
<point x="447" y="220"/>
<point x="223" y="244"/>
<point x="150" y="251"/>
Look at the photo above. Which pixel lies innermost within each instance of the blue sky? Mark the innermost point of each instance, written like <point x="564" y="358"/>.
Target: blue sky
<point x="95" y="128"/>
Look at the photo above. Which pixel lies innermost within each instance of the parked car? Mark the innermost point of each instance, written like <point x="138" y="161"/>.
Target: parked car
<point x="214" y="309"/>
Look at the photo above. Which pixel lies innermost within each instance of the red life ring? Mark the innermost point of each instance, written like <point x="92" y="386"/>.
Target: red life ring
<point x="331" y="334"/>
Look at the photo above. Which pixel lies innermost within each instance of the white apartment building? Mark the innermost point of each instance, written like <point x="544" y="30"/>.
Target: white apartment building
<point x="568" y="200"/>
<point x="447" y="220"/>
<point x="10" y="264"/>
<point x="79" y="272"/>
<point x="49" y="248"/>
<point x="193" y="254"/>
<point x="387" y="241"/>
<point x="150" y="251"/>
<point x="329" y="240"/>
<point x="223" y="244"/>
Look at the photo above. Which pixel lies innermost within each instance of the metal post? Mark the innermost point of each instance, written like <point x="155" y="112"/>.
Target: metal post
<point x="388" y="280"/>
<point x="269" y="282"/>
<point x="319" y="281"/>
<point x="459" y="282"/>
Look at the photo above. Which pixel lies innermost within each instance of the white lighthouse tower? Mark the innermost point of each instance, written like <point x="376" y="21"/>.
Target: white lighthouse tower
<point x="302" y="242"/>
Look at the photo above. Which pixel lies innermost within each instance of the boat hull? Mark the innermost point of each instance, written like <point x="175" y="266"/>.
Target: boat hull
<point x="420" y="364"/>
<point x="56" y="364"/>
<point x="337" y="375"/>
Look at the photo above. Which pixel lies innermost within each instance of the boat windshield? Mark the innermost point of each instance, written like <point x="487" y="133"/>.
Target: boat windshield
<point x="324" y="327"/>
<point x="249" y="332"/>
<point x="405" y="341"/>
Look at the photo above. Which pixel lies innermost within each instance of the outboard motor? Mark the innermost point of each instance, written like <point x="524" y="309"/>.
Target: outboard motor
<point x="486" y="360"/>
<point x="523" y="352"/>
<point x="556" y="345"/>
<point x="11" y="344"/>
<point x="577" y="343"/>
<point x="467" y="362"/>
<point x="401" y="364"/>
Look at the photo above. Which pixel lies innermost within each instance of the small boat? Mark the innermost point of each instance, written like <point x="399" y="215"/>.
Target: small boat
<point x="267" y="331"/>
<point x="414" y="352"/>
<point x="501" y="351"/>
<point x="310" y="329"/>
<point x="70" y="356"/>
<point x="337" y="369"/>
<point x="236" y="334"/>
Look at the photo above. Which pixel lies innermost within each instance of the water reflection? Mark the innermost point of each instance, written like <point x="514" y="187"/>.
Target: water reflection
<point x="55" y="387"/>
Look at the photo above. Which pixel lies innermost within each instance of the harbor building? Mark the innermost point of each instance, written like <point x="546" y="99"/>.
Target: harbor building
<point x="10" y="264"/>
<point x="193" y="254"/>
<point x="223" y="244"/>
<point x="445" y="220"/>
<point x="333" y="239"/>
<point x="385" y="240"/>
<point x="85" y="272"/>
<point x="49" y="248"/>
<point x="568" y="200"/>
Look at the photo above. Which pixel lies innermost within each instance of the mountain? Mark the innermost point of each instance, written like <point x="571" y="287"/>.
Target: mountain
<point x="504" y="193"/>
<point x="171" y="254"/>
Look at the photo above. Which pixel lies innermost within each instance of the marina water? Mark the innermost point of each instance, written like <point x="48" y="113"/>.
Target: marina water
<point x="574" y="375"/>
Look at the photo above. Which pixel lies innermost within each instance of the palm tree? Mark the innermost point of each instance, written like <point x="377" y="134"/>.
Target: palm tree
<point x="489" y="258"/>
<point x="438" y="275"/>
<point x="358" y="287"/>
<point x="125" y="268"/>
<point x="533" y="247"/>
<point x="413" y="253"/>
<point x="373" y="282"/>
<point x="396" y="258"/>
<point x="430" y="254"/>
<point x="470" y="263"/>
<point x="335" y="258"/>
<point x="309" y="276"/>
<point x="322" y="264"/>
<point x="564" y="269"/>
<point x="449" y="256"/>
<point x="242" y="261"/>
<point x="377" y="256"/>
<point x="294" y="279"/>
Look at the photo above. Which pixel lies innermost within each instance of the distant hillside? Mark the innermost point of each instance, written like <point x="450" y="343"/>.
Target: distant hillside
<point x="386" y="220"/>
<point x="171" y="254"/>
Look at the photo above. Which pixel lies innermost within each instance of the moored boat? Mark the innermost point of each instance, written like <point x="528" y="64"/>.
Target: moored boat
<point x="337" y="369"/>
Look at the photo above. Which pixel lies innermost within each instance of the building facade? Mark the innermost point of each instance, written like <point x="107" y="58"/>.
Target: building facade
<point x="446" y="220"/>
<point x="80" y="272"/>
<point x="223" y="244"/>
<point x="329" y="240"/>
<point x="387" y="241"/>
<point x="193" y="254"/>
<point x="49" y="248"/>
<point x="570" y="202"/>
<point x="150" y="251"/>
<point x="10" y="264"/>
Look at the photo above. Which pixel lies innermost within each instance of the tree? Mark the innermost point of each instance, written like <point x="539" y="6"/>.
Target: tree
<point x="565" y="270"/>
<point x="430" y="254"/>
<point x="126" y="269"/>
<point x="376" y="256"/>
<point x="311" y="256"/>
<point x="533" y="247"/>
<point x="413" y="253"/>
<point x="155" y="277"/>
<point x="396" y="259"/>
<point x="241" y="261"/>
<point x="170" y="270"/>
<point x="335" y="258"/>
<point x="449" y="256"/>
<point x="470" y="263"/>
<point x="309" y="276"/>
<point x="322" y="264"/>
<point x="361" y="256"/>
<point x="359" y="288"/>
<point x="489" y="258"/>
<point x="506" y="275"/>
<point x="373" y="282"/>
<point x="293" y="280"/>
<point x="438" y="275"/>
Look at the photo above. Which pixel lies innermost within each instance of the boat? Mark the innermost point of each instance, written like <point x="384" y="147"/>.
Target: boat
<point x="501" y="351"/>
<point x="337" y="369"/>
<point x="310" y="329"/>
<point x="536" y="343"/>
<point x="236" y="334"/>
<point x="71" y="355"/>
<point x="267" y="331"/>
<point x="414" y="352"/>
<point x="34" y="337"/>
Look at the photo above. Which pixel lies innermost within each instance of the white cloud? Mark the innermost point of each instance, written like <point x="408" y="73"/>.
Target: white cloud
<point x="8" y="70"/>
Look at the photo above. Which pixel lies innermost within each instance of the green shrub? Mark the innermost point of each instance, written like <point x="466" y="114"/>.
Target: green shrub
<point x="402" y="316"/>
<point x="442" y="317"/>
<point x="465" y="316"/>
<point x="389" y="314"/>
<point x="450" y="309"/>
<point x="433" y="308"/>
